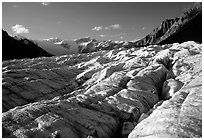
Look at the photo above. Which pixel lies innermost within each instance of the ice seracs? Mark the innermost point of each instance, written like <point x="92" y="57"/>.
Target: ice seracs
<point x="105" y="94"/>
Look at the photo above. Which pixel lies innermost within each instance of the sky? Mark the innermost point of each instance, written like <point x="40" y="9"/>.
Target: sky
<point x="128" y="21"/>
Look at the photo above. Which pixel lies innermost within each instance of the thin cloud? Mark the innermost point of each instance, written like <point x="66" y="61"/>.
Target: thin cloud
<point x="19" y="29"/>
<point x="111" y="27"/>
<point x="114" y="26"/>
<point x="102" y="35"/>
<point x="45" y="3"/>
<point x="97" y="28"/>
<point x="15" y="6"/>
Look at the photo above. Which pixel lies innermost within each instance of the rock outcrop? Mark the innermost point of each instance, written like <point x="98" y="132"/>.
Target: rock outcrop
<point x="188" y="27"/>
<point x="104" y="93"/>
<point x="13" y="48"/>
<point x="157" y="33"/>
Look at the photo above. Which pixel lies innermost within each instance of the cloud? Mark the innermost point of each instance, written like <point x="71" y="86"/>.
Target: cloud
<point x="97" y="28"/>
<point x="15" y="6"/>
<point x="45" y="3"/>
<point x="19" y="29"/>
<point x="114" y="26"/>
<point x="111" y="27"/>
<point x="102" y="35"/>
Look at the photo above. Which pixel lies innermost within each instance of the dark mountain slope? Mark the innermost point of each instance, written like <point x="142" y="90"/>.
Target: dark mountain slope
<point x="186" y="28"/>
<point x="18" y="49"/>
<point x="156" y="33"/>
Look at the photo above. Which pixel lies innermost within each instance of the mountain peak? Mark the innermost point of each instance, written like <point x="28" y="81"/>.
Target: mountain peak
<point x="84" y="39"/>
<point x="187" y="27"/>
<point x="19" y="37"/>
<point x="18" y="48"/>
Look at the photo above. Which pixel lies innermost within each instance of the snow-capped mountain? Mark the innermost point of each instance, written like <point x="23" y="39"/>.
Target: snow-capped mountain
<point x="83" y="40"/>
<point x="58" y="48"/>
<point x="70" y="45"/>
<point x="87" y="44"/>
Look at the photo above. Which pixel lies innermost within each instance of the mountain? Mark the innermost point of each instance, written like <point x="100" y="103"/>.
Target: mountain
<point x="83" y="40"/>
<point x="13" y="48"/>
<point x="87" y="44"/>
<point x="156" y="33"/>
<point x="58" y="48"/>
<point x="70" y="45"/>
<point x="177" y="30"/>
<point x="19" y="37"/>
<point x="110" y="45"/>
<point x="188" y="27"/>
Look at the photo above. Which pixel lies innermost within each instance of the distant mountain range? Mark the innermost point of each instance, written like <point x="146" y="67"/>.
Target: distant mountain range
<point x="58" y="48"/>
<point x="186" y="28"/>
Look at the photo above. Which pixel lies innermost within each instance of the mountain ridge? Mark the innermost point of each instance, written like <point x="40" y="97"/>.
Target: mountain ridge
<point x="12" y="48"/>
<point x="177" y="30"/>
<point x="188" y="27"/>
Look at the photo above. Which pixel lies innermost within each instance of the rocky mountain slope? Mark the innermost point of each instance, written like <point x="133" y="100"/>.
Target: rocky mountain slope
<point x="153" y="91"/>
<point x="177" y="30"/>
<point x="12" y="48"/>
